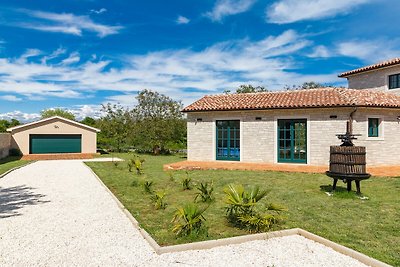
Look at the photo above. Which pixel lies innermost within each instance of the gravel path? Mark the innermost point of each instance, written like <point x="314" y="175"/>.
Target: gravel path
<point x="56" y="213"/>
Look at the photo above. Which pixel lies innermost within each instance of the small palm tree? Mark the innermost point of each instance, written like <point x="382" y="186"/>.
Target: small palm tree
<point x="242" y="201"/>
<point x="188" y="219"/>
<point x="205" y="192"/>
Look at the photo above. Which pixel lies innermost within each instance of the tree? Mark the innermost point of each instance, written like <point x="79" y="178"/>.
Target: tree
<point x="307" y="85"/>
<point x="5" y="124"/>
<point x="160" y="125"/>
<point x="115" y="127"/>
<point x="248" y="88"/>
<point x="89" y="121"/>
<point x="47" y="113"/>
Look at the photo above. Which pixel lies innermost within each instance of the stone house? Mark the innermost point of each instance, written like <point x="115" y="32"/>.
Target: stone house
<point x="297" y="126"/>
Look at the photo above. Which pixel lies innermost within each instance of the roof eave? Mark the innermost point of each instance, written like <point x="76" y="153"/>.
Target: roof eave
<point x="50" y="118"/>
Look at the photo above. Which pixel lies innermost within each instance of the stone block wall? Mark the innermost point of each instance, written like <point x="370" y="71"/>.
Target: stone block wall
<point x="259" y="137"/>
<point x="376" y="79"/>
<point x="5" y="141"/>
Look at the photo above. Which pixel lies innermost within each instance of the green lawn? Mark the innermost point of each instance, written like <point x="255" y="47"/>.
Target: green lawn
<point x="10" y="162"/>
<point x="370" y="226"/>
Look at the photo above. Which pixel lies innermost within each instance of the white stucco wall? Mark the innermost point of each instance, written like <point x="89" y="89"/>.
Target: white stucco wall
<point x="259" y="138"/>
<point x="375" y="79"/>
<point x="20" y="137"/>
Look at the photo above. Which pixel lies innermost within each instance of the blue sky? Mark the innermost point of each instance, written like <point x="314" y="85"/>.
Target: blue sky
<point x="79" y="54"/>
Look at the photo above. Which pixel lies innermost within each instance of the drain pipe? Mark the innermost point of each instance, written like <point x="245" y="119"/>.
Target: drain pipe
<point x="350" y="122"/>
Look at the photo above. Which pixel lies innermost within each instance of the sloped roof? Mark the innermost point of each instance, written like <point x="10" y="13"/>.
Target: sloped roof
<point x="379" y="65"/>
<point x="52" y="118"/>
<point x="312" y="98"/>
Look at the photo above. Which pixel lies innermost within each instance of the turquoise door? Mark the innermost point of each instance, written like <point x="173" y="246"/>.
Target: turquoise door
<point x="55" y="143"/>
<point x="292" y="141"/>
<point x="228" y="140"/>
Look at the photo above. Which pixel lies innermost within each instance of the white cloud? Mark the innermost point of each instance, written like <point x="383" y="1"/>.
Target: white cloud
<point x="320" y="51"/>
<point x="182" y="74"/>
<point x="289" y="11"/>
<point x="19" y="115"/>
<point x="223" y="8"/>
<point x="100" y="11"/>
<point x="182" y="20"/>
<point x="55" y="54"/>
<point x="11" y="98"/>
<point x="370" y="51"/>
<point x="66" y="23"/>
<point x="71" y="59"/>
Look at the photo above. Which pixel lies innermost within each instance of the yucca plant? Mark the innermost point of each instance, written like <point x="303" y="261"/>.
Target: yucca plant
<point x="138" y="163"/>
<point x="188" y="219"/>
<point x="158" y="200"/>
<point x="205" y="192"/>
<point x="186" y="182"/>
<point x="131" y="163"/>
<point x="147" y="186"/>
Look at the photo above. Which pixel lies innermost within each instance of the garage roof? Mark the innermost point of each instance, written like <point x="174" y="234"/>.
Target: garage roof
<point x="52" y="118"/>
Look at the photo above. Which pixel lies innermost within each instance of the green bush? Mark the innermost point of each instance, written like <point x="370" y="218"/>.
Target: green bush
<point x="205" y="192"/>
<point x="158" y="200"/>
<point x="147" y="186"/>
<point x="188" y="219"/>
<point x="186" y="182"/>
<point x="241" y="210"/>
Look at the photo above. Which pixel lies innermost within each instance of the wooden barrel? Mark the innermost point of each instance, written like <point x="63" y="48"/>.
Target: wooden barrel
<point x="347" y="160"/>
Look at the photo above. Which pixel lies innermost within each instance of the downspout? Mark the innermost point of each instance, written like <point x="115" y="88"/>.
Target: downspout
<point x="350" y="122"/>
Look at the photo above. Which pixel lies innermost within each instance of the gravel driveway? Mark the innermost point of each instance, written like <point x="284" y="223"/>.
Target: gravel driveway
<point x="56" y="213"/>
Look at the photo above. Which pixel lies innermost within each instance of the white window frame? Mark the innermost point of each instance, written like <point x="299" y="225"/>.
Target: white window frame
<point x="381" y="128"/>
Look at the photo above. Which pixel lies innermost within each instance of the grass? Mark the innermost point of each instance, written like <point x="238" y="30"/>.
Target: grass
<point x="370" y="226"/>
<point x="8" y="163"/>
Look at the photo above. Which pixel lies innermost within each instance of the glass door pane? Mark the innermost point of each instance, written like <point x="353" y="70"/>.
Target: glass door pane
<point x="292" y="141"/>
<point x="228" y="140"/>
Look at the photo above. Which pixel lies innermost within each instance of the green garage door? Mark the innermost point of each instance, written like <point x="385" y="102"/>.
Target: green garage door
<point x="55" y="143"/>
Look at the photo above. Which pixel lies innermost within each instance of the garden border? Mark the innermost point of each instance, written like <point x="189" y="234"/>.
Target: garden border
<point x="15" y="168"/>
<point x="240" y="239"/>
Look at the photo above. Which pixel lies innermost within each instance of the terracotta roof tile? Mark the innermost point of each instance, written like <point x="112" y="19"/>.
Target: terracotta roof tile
<point x="321" y="97"/>
<point x="379" y="65"/>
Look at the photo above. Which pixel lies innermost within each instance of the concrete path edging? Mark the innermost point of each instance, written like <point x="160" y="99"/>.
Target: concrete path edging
<point x="15" y="168"/>
<point x="240" y="239"/>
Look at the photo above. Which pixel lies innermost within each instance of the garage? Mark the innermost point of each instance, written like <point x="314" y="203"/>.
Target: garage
<point x="55" y="135"/>
<point x="60" y="143"/>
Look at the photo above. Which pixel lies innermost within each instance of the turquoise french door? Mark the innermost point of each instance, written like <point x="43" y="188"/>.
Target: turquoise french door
<point x="292" y="141"/>
<point x="228" y="140"/>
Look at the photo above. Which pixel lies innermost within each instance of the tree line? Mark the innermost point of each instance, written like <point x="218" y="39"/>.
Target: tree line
<point x="155" y="124"/>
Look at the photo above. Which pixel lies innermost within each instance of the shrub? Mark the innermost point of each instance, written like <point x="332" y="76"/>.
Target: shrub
<point x="186" y="182"/>
<point x="147" y="186"/>
<point x="138" y="163"/>
<point x="15" y="152"/>
<point x="158" y="200"/>
<point x="131" y="163"/>
<point x="188" y="219"/>
<point x="241" y="210"/>
<point x="205" y="192"/>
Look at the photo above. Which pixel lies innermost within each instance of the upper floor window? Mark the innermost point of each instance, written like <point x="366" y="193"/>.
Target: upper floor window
<point x="373" y="127"/>
<point x="394" y="81"/>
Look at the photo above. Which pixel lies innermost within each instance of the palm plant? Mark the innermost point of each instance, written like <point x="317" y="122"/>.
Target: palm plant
<point x="241" y="210"/>
<point x="158" y="200"/>
<point x="205" y="192"/>
<point x="188" y="219"/>
<point x="147" y="186"/>
<point x="138" y="163"/>
<point x="241" y="201"/>
<point x="186" y="182"/>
